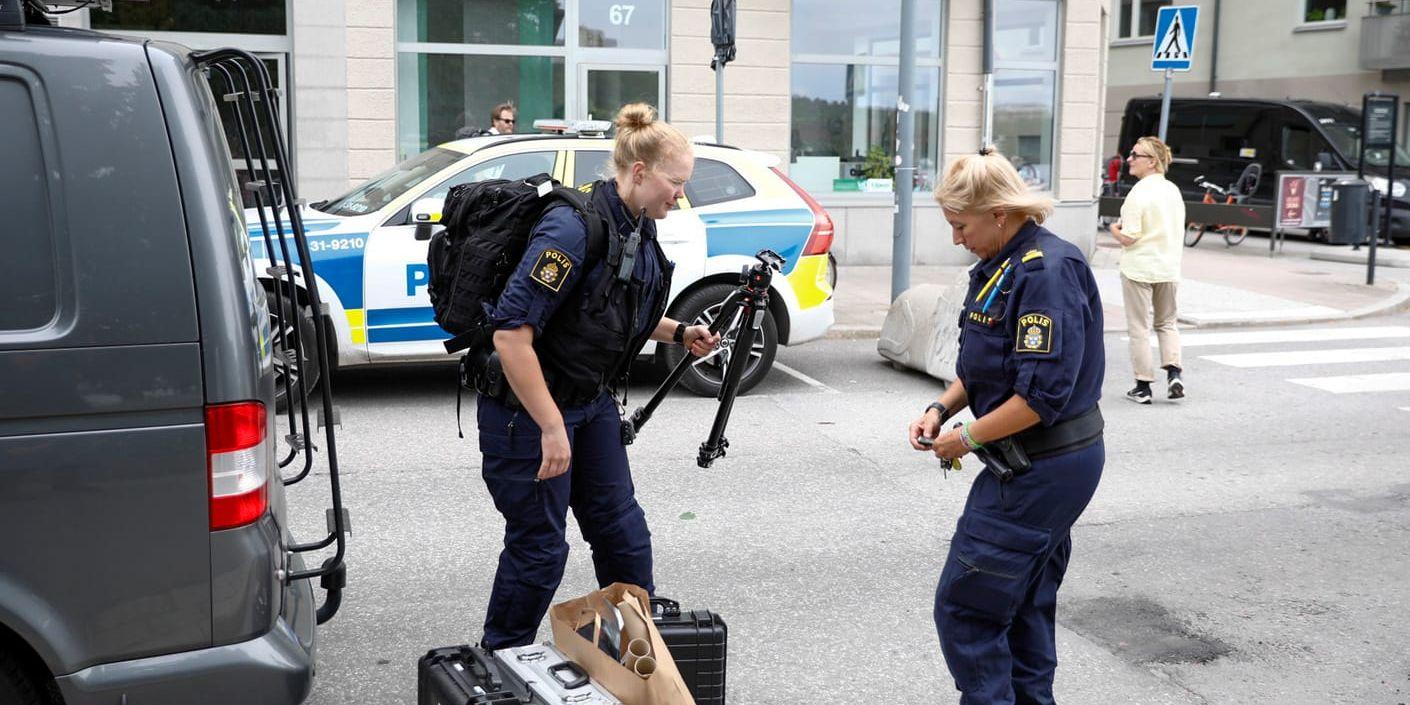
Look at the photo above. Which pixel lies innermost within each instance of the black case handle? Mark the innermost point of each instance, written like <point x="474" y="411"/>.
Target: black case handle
<point x="664" y="608"/>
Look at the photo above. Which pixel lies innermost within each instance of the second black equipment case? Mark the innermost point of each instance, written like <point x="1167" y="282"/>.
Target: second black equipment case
<point x="697" y="640"/>
<point x="463" y="675"/>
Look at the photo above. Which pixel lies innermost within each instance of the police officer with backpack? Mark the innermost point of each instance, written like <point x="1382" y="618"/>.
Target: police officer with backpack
<point x="567" y="327"/>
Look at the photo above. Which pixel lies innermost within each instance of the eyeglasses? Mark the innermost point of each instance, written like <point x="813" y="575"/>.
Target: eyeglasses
<point x="1138" y="155"/>
<point x="508" y="120"/>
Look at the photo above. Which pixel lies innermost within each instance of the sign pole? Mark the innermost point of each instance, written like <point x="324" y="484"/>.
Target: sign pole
<point x="1165" y="103"/>
<point x="903" y="183"/>
<point x="1390" y="180"/>
<point x="720" y="103"/>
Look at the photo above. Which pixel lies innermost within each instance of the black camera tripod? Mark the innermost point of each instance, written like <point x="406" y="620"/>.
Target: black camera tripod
<point x="751" y="301"/>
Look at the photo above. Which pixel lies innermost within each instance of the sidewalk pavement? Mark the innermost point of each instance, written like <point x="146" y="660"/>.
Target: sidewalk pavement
<point x="1222" y="286"/>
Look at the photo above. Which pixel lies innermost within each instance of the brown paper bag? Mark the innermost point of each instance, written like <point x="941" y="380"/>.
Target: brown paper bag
<point x="664" y="687"/>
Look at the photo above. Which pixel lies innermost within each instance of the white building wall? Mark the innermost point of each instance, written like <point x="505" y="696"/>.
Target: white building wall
<point x="320" y="105"/>
<point x="371" y="93"/>
<point x="756" y="82"/>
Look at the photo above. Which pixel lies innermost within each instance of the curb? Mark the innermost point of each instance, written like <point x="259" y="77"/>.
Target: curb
<point x="1400" y="300"/>
<point x="1383" y="259"/>
<point x="1390" y="304"/>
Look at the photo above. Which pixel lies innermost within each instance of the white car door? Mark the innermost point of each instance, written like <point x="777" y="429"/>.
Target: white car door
<point x="400" y="324"/>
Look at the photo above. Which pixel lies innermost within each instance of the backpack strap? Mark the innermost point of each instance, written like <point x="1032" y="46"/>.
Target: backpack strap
<point x="596" y="227"/>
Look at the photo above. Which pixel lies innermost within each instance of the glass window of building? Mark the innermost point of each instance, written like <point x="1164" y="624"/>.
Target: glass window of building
<point x="1025" y="86"/>
<point x="1136" y="18"/>
<point x="1323" y="10"/>
<point x="844" y="87"/>
<point x="219" y="16"/>
<point x="457" y="59"/>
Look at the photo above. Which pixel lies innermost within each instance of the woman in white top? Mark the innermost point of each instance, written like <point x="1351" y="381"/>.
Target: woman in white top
<point x="1151" y="232"/>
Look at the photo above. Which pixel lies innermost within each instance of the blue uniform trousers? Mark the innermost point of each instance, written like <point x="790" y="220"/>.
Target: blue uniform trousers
<point x="598" y="487"/>
<point x="994" y="607"/>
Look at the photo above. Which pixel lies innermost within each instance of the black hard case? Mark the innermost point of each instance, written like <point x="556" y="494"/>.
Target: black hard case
<point x="697" y="640"/>
<point x="463" y="675"/>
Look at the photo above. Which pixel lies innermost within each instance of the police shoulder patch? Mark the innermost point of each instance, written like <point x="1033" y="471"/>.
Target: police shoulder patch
<point x="1035" y="334"/>
<point x="1032" y="259"/>
<point x="552" y="269"/>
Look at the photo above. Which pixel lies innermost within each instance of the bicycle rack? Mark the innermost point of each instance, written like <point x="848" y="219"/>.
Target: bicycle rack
<point x="255" y="107"/>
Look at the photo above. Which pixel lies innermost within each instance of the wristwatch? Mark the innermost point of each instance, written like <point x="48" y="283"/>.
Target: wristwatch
<point x="944" y="412"/>
<point x="679" y="336"/>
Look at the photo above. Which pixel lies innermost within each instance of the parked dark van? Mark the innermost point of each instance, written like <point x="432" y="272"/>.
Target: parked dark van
<point x="145" y="553"/>
<point x="1218" y="137"/>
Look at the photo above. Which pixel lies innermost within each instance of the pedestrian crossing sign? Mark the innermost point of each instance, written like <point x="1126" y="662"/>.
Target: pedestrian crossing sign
<point x="1174" y="45"/>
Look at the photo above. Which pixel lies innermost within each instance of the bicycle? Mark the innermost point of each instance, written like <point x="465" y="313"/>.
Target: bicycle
<point x="1234" y="193"/>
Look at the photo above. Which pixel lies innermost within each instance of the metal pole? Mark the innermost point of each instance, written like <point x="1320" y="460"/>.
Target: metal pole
<point x="904" y="183"/>
<point x="1214" y="53"/>
<point x="1165" y="103"/>
<point x="986" y="129"/>
<point x="719" y="101"/>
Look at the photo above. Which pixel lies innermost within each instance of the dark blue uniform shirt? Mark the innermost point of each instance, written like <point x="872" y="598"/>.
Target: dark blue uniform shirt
<point x="560" y="238"/>
<point x="1032" y="326"/>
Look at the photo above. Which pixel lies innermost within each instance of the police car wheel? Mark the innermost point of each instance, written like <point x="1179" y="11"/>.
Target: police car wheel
<point x="286" y="368"/>
<point x="707" y="374"/>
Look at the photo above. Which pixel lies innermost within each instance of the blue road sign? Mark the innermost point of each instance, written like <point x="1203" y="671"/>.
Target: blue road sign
<point x="1174" y="46"/>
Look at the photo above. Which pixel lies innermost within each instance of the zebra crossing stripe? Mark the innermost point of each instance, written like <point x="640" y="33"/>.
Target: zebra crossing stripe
<point x="1310" y="357"/>
<point x="1355" y="384"/>
<point x="1301" y="335"/>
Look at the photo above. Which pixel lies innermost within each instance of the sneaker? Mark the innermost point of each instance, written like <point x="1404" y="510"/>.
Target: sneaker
<point x="1175" y="388"/>
<point x="1140" y="395"/>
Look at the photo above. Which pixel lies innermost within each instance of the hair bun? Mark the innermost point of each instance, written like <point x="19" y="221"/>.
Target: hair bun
<point x="635" y="116"/>
<point x="987" y="150"/>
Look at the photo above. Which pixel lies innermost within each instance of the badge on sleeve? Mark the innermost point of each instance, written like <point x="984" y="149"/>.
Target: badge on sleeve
<point x="1035" y="333"/>
<point x="552" y="269"/>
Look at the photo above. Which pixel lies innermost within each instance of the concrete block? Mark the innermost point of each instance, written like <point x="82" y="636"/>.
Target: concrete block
<point x="1081" y="62"/>
<point x="741" y="80"/>
<point x="761" y="24"/>
<point x="364" y="163"/>
<point x="690" y="21"/>
<point x="1082" y="115"/>
<point x="371" y="104"/>
<point x="371" y="73"/>
<point x="764" y="5"/>
<point x="372" y="134"/>
<point x="371" y="43"/>
<point x="965" y="34"/>
<point x="1081" y="89"/>
<point x="371" y="13"/>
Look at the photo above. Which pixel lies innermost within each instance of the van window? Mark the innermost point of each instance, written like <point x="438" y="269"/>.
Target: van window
<point x="1300" y="148"/>
<point x="715" y="182"/>
<point x="28" y="281"/>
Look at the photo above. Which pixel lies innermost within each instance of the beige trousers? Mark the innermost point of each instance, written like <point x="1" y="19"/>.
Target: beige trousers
<point x="1138" y="298"/>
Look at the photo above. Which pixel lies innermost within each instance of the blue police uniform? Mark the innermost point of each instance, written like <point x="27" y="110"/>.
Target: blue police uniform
<point x="552" y="284"/>
<point x="1032" y="326"/>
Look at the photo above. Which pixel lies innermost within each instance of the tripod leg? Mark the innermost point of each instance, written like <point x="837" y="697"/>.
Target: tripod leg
<point x="632" y="426"/>
<point x="714" y="446"/>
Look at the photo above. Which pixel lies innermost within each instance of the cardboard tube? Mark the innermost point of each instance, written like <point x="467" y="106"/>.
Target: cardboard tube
<point x="637" y="649"/>
<point x="644" y="666"/>
<point x="633" y="625"/>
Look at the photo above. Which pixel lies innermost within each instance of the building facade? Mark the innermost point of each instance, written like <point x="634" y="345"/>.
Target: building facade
<point x="1326" y="50"/>
<point x="814" y="83"/>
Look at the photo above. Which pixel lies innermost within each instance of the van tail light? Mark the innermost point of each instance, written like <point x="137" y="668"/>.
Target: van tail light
<point x="237" y="454"/>
<point x="820" y="241"/>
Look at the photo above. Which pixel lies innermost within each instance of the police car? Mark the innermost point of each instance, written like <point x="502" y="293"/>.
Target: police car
<point x="369" y="252"/>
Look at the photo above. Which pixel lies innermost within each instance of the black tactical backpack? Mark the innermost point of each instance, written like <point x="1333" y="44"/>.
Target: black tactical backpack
<point x="487" y="226"/>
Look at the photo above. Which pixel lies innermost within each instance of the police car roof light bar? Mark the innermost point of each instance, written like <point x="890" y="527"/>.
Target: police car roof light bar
<point x="593" y="128"/>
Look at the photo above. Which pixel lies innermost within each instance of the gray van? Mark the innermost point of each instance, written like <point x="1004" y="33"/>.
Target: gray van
<point x="145" y="554"/>
<point x="1218" y="137"/>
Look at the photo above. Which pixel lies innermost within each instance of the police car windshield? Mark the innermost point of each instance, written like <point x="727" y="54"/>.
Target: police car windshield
<point x="387" y="186"/>
<point x="1343" y="126"/>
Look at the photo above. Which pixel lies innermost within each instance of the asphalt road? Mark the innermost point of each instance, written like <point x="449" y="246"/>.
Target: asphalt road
<point x="1247" y="545"/>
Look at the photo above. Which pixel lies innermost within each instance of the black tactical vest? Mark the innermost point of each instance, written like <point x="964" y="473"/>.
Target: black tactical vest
<point x="589" y="343"/>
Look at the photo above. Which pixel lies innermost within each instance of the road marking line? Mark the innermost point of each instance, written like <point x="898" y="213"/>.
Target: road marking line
<point x="1310" y="357"/>
<point x="1304" y="335"/>
<point x="1352" y="384"/>
<point x="804" y="378"/>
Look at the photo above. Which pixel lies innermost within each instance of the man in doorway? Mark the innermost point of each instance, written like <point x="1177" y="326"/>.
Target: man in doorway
<point x="502" y="119"/>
